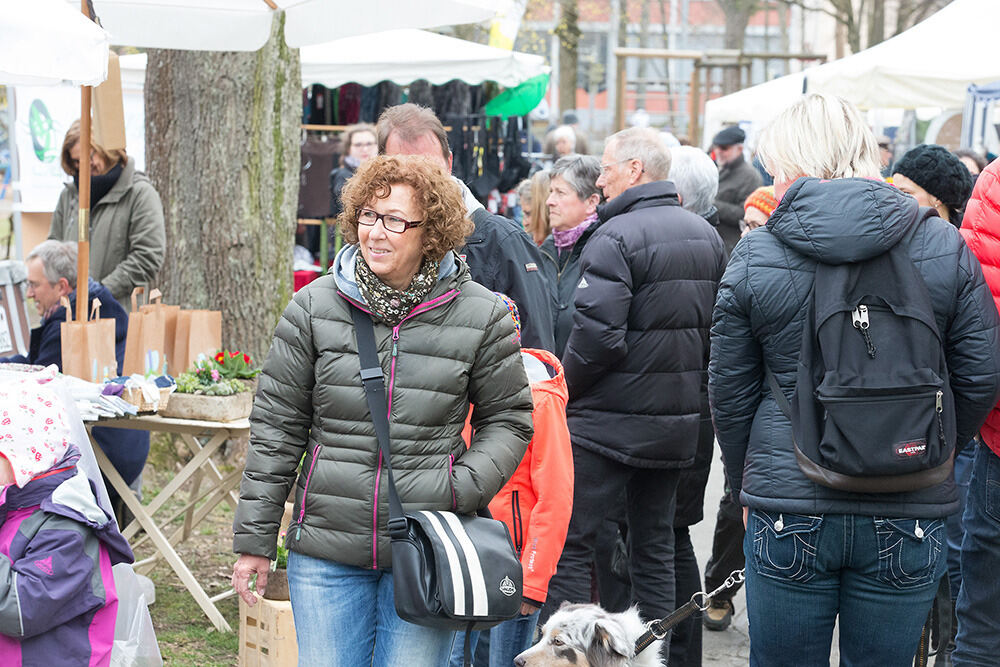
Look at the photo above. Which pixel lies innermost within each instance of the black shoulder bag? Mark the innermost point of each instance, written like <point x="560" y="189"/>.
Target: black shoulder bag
<point x="450" y="570"/>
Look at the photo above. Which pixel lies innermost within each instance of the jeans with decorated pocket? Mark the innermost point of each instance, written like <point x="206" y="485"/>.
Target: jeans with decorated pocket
<point x="878" y="574"/>
<point x="978" y="641"/>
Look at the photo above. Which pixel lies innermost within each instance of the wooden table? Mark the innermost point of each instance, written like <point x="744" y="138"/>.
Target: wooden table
<point x="203" y="438"/>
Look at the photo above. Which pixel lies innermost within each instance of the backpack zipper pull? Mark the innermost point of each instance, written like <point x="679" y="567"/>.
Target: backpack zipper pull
<point x="939" y="409"/>
<point x="859" y="317"/>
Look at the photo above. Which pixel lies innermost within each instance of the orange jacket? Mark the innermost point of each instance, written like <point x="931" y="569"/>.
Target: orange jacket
<point x="537" y="500"/>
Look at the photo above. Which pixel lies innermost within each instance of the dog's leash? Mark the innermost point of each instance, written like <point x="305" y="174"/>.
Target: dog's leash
<point x="658" y="629"/>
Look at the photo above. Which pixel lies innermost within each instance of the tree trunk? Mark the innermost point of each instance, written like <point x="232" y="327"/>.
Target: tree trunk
<point x="568" y="31"/>
<point x="876" y="24"/>
<point x="738" y="13"/>
<point x="640" y="87"/>
<point x="222" y="149"/>
<point x="783" y="31"/>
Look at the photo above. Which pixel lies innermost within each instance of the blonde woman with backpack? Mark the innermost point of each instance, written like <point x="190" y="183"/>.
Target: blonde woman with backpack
<point x="818" y="553"/>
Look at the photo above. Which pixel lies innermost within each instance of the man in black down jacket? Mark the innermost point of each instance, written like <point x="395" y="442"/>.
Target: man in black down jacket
<point x="634" y="364"/>
<point x="500" y="255"/>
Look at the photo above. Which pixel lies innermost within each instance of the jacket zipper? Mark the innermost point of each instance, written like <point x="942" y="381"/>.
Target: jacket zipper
<point x="422" y="308"/>
<point x="451" y="467"/>
<point x="515" y="510"/>
<point x="559" y="269"/>
<point x="305" y="490"/>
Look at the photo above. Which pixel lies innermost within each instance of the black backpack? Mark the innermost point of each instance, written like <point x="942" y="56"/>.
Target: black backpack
<point x="873" y="411"/>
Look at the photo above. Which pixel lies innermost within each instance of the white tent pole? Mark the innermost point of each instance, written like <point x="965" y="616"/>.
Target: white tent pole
<point x="15" y="174"/>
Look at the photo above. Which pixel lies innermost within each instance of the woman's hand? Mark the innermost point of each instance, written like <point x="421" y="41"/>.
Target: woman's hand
<point x="527" y="609"/>
<point x="244" y="568"/>
<point x="746" y="515"/>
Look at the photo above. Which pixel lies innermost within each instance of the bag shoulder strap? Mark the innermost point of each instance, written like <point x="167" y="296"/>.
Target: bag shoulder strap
<point x="374" y="383"/>
<point x="779" y="396"/>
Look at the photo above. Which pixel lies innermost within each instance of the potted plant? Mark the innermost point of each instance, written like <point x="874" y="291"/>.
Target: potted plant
<point x="204" y="393"/>
<point x="237" y="365"/>
<point x="277" y="578"/>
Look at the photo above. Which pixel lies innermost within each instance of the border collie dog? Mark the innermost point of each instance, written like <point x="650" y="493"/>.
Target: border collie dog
<point x="585" y="635"/>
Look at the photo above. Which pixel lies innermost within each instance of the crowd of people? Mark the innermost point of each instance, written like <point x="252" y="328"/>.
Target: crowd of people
<point x="571" y="371"/>
<point x="654" y="288"/>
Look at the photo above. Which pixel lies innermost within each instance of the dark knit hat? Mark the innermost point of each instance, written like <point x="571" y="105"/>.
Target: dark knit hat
<point x="939" y="172"/>
<point x="730" y="136"/>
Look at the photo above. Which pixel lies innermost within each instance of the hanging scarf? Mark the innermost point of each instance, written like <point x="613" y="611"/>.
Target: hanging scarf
<point x="101" y="185"/>
<point x="389" y="304"/>
<point x="567" y="239"/>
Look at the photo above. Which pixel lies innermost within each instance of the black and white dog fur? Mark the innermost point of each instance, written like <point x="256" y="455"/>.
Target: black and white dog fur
<point x="585" y="635"/>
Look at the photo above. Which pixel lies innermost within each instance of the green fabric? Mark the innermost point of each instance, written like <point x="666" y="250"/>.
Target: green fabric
<point x="519" y="100"/>
<point x="127" y="234"/>
<point x="310" y="401"/>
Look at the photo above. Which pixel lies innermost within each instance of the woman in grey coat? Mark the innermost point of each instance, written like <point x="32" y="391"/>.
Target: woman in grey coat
<point x="444" y="342"/>
<point x="127" y="234"/>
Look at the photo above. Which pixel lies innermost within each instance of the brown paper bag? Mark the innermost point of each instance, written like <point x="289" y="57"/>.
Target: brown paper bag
<point x="169" y="314"/>
<point x="198" y="334"/>
<point x="88" y="348"/>
<point x="144" y="348"/>
<point x="109" y="111"/>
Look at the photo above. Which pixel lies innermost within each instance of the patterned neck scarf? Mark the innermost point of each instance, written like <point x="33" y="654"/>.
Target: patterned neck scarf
<point x="567" y="239"/>
<point x="389" y="304"/>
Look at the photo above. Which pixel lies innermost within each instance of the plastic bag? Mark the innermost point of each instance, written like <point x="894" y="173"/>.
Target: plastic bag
<point x="135" y="641"/>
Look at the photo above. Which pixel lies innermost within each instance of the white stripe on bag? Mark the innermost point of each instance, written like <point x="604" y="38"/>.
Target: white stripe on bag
<point x="453" y="564"/>
<point x="480" y="603"/>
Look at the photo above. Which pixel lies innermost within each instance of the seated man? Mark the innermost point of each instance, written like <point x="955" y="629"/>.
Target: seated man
<point x="52" y="275"/>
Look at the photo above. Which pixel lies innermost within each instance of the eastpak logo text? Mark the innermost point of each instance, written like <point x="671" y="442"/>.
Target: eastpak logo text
<point x="911" y="448"/>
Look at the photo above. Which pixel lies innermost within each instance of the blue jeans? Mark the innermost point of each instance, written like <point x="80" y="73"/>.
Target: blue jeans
<point x="345" y="617"/>
<point x="978" y="641"/>
<point x="879" y="575"/>
<point x="954" y="524"/>
<point x="503" y="642"/>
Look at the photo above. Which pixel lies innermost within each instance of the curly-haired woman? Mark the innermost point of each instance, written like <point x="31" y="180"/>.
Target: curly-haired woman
<point x="444" y="342"/>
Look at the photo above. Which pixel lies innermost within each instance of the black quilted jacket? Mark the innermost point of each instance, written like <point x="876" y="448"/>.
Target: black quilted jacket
<point x="637" y="352"/>
<point x="758" y="320"/>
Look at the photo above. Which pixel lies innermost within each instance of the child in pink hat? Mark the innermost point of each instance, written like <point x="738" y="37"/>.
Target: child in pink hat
<point x="57" y="593"/>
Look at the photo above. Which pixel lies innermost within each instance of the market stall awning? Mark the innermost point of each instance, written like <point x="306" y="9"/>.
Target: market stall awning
<point x="913" y="69"/>
<point x="908" y="71"/>
<point x="48" y="42"/>
<point x="245" y="25"/>
<point x="403" y="56"/>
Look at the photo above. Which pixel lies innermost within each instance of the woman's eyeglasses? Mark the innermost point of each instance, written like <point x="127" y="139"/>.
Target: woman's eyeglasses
<point x="392" y="223"/>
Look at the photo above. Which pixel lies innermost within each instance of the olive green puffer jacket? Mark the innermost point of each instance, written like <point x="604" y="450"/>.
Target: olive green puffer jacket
<point x="455" y="347"/>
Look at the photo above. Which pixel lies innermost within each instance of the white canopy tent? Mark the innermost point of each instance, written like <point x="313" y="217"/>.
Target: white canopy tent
<point x="911" y="70"/>
<point x="245" y="25"/>
<point x="48" y="42"/>
<point x="401" y="56"/>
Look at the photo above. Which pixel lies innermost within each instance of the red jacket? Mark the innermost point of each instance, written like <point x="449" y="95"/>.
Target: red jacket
<point x="981" y="229"/>
<point x="537" y="501"/>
